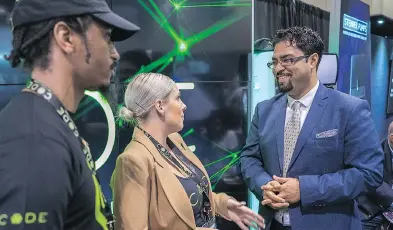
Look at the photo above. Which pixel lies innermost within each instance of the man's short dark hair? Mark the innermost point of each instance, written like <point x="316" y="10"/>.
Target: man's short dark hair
<point x="302" y="38"/>
<point x="31" y="43"/>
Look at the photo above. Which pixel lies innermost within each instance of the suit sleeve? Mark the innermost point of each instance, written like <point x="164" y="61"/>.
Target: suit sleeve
<point x="131" y="186"/>
<point x="221" y="203"/>
<point x="251" y="163"/>
<point x="363" y="159"/>
<point x="35" y="183"/>
<point x="383" y="195"/>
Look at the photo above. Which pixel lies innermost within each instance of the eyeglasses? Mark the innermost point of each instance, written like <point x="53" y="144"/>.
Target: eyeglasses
<point x="286" y="61"/>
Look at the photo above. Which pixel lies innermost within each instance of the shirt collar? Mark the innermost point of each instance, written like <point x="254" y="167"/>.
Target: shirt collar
<point x="307" y="99"/>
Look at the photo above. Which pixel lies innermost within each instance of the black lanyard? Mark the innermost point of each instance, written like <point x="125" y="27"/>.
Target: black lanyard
<point x="42" y="91"/>
<point x="193" y="172"/>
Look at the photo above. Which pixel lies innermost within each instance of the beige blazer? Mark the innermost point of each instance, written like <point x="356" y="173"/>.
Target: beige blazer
<point x="147" y="195"/>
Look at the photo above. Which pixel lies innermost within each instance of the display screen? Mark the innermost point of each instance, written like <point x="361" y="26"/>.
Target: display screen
<point x="328" y="69"/>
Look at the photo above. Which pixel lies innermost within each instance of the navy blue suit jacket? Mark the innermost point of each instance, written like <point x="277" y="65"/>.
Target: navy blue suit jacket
<point x="333" y="169"/>
<point x="373" y="204"/>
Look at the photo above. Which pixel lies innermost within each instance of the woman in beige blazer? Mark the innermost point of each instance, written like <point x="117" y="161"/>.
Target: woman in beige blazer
<point x="158" y="183"/>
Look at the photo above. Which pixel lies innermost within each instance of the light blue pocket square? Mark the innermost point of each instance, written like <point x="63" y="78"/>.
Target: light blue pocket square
<point x="326" y="134"/>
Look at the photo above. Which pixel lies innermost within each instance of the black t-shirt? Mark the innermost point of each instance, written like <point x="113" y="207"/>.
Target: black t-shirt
<point x="45" y="180"/>
<point x="195" y="195"/>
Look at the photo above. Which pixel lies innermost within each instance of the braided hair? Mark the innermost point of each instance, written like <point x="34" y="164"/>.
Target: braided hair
<point x="302" y="38"/>
<point x="31" y="43"/>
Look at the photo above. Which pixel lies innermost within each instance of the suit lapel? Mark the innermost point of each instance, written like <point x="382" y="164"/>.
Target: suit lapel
<point x="314" y="114"/>
<point x="176" y="195"/>
<point x="280" y="126"/>
<point x="173" y="189"/>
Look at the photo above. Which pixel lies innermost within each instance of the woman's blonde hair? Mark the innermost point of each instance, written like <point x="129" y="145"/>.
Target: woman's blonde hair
<point x="141" y="94"/>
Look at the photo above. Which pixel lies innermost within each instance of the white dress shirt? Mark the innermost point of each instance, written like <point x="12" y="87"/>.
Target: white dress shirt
<point x="305" y="104"/>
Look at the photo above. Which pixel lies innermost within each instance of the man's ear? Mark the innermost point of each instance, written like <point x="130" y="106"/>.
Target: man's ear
<point x="64" y="37"/>
<point x="313" y="59"/>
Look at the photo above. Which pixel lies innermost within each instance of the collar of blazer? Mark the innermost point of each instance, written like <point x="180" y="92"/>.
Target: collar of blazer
<point x="173" y="189"/>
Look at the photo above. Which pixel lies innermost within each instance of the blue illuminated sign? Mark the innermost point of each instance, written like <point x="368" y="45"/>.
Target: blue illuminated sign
<point x="354" y="27"/>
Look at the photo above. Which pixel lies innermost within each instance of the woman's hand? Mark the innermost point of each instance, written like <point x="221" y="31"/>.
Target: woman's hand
<point x="243" y="216"/>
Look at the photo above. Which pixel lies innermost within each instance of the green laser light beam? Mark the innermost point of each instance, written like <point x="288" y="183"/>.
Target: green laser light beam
<point x="184" y="44"/>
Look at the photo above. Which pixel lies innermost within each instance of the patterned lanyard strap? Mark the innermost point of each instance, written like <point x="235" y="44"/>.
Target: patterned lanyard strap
<point x="42" y="91"/>
<point x="191" y="172"/>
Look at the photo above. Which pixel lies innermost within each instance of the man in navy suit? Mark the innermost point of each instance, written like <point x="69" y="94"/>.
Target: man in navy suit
<point x="311" y="150"/>
<point x="373" y="205"/>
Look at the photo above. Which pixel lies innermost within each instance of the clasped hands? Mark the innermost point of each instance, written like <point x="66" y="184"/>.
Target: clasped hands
<point x="281" y="192"/>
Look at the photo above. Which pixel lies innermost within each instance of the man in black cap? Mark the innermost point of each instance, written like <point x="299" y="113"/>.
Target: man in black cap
<point x="48" y="178"/>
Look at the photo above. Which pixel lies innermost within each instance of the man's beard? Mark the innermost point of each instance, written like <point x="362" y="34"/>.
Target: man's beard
<point x="104" y="89"/>
<point x="285" y="87"/>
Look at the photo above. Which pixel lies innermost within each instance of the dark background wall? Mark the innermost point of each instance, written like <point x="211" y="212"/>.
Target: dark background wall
<point x="271" y="15"/>
<point x="200" y="42"/>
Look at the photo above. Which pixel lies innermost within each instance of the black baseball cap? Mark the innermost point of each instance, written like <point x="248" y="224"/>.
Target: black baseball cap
<point x="32" y="11"/>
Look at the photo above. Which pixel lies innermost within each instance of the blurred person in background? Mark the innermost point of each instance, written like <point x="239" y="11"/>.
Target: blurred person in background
<point x="377" y="207"/>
